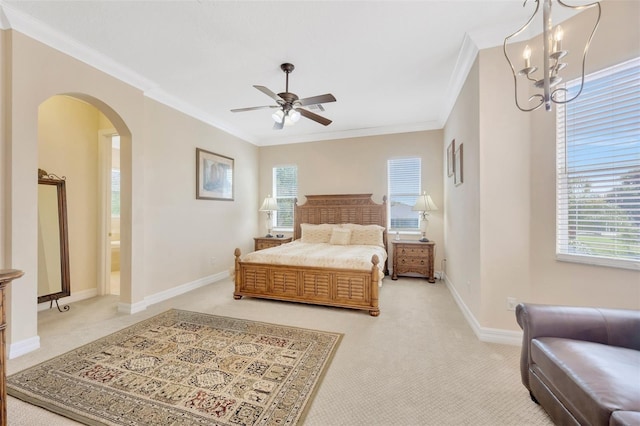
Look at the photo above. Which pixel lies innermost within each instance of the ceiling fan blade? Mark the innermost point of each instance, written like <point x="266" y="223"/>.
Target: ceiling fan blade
<point x="320" y="99"/>
<point x="315" y="117"/>
<point x="269" y="93"/>
<point x="254" y="108"/>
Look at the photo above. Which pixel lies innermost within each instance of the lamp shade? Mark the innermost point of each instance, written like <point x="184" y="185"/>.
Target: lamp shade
<point x="424" y="203"/>
<point x="269" y="204"/>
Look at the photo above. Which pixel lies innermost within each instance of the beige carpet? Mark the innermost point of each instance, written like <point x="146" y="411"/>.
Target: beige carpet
<point x="419" y="363"/>
<point x="183" y="368"/>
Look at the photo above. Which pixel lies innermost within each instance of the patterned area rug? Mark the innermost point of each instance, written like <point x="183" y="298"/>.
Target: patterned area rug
<point x="184" y="368"/>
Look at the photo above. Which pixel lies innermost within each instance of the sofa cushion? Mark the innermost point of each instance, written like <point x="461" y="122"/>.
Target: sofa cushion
<point x="625" y="418"/>
<point x="591" y="380"/>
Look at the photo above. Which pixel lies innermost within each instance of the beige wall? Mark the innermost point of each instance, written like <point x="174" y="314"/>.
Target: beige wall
<point x="359" y="165"/>
<point x="166" y="233"/>
<point x="68" y="146"/>
<point x="5" y="130"/>
<point x="617" y="40"/>
<point x="182" y="233"/>
<point x="462" y="203"/>
<point x="510" y="179"/>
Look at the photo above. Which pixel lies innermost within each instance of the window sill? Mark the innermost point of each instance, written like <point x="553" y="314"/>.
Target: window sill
<point x="598" y="261"/>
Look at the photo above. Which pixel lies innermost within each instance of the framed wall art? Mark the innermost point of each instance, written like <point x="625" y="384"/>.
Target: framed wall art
<point x="214" y="176"/>
<point x="451" y="149"/>
<point x="458" y="165"/>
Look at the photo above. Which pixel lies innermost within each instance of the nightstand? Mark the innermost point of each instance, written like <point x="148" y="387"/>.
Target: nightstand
<point x="266" y="242"/>
<point x="413" y="256"/>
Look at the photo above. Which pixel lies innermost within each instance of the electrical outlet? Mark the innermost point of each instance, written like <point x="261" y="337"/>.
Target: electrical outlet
<point x="212" y="261"/>
<point x="511" y="303"/>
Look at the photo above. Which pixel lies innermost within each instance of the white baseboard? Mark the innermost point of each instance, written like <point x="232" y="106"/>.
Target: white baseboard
<point x="484" y="334"/>
<point x="75" y="297"/>
<point x="24" y="346"/>
<point x="129" y="308"/>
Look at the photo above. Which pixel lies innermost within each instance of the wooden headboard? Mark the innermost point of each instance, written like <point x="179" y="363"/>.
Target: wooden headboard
<point x="340" y="208"/>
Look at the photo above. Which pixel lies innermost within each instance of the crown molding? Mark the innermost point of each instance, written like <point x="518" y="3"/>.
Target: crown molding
<point x="11" y="18"/>
<point x="356" y="133"/>
<point x="165" y="98"/>
<point x="41" y="32"/>
<point x="466" y="56"/>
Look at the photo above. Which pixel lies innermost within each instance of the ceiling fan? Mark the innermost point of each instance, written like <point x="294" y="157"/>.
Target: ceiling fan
<point x="289" y="106"/>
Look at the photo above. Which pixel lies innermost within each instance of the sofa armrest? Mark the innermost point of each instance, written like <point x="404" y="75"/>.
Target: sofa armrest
<point x="615" y="327"/>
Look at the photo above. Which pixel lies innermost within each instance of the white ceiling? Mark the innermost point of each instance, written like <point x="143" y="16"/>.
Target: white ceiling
<point x="394" y="66"/>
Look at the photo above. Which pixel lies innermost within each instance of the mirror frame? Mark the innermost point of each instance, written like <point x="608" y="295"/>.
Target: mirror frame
<point x="50" y="179"/>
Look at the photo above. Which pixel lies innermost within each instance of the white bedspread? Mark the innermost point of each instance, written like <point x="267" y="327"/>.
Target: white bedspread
<point x="322" y="255"/>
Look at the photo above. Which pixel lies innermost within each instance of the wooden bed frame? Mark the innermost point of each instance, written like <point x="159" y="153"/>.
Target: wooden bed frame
<point x="345" y="288"/>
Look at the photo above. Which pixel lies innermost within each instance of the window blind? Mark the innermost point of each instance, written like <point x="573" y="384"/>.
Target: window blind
<point x="285" y="191"/>
<point x="598" y="169"/>
<point x="404" y="176"/>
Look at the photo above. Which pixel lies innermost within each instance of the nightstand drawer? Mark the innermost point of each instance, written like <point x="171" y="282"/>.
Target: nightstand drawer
<point x="413" y="261"/>
<point x="262" y="243"/>
<point x="413" y="257"/>
<point x="413" y="251"/>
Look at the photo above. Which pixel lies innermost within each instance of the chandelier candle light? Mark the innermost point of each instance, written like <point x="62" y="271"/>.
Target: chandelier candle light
<point x="551" y="56"/>
<point x="424" y="205"/>
<point x="269" y="205"/>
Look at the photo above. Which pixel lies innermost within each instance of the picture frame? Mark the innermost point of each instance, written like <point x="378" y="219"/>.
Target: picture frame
<point x="458" y="165"/>
<point x="214" y="176"/>
<point x="451" y="149"/>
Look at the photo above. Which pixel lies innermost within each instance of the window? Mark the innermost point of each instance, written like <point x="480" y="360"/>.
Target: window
<point x="598" y="170"/>
<point x="285" y="191"/>
<point x="403" y="176"/>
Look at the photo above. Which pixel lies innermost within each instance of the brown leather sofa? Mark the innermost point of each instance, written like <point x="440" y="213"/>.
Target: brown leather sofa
<point x="582" y="365"/>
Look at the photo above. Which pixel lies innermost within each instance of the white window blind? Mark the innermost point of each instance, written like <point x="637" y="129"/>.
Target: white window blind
<point x="285" y="191"/>
<point x="598" y="169"/>
<point x="404" y="177"/>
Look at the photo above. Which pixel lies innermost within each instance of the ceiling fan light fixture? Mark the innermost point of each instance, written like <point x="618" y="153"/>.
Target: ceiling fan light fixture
<point x="278" y="116"/>
<point x="294" y="115"/>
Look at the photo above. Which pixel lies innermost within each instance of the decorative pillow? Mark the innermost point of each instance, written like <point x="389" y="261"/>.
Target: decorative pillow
<point x="366" y="235"/>
<point x="340" y="236"/>
<point x="316" y="233"/>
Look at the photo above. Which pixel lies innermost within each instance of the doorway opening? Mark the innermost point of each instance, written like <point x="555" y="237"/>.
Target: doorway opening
<point x="114" y="212"/>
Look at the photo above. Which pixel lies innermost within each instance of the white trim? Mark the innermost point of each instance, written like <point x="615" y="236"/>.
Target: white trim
<point x="75" y="297"/>
<point x="466" y="58"/>
<point x="53" y="38"/>
<point x="11" y="18"/>
<point x="484" y="334"/>
<point x="598" y="261"/>
<point x="24" y="347"/>
<point x="346" y="134"/>
<point x="134" y="308"/>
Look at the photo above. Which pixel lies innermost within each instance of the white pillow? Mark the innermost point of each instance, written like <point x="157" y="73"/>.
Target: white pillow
<point x="340" y="236"/>
<point x="365" y="235"/>
<point x="316" y="233"/>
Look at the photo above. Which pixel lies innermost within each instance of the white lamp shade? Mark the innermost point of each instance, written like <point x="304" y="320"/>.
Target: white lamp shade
<point x="277" y="116"/>
<point x="269" y="204"/>
<point x="424" y="203"/>
<point x="294" y="115"/>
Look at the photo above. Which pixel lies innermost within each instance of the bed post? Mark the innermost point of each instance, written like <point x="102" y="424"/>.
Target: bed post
<point x="237" y="275"/>
<point x="375" y="279"/>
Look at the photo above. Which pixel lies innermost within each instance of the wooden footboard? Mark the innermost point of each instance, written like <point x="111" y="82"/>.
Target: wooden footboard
<point x="342" y="288"/>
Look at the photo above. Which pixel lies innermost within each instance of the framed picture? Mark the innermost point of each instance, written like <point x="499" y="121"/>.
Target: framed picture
<point x="214" y="176"/>
<point x="458" y="165"/>
<point x="450" y="152"/>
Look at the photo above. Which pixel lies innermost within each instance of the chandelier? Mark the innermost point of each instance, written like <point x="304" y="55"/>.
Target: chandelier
<point x="551" y="59"/>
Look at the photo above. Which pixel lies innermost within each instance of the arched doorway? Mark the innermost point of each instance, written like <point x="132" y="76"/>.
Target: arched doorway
<point x="71" y="134"/>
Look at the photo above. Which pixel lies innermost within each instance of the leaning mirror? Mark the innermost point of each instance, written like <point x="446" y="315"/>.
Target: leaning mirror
<point x="53" y="241"/>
